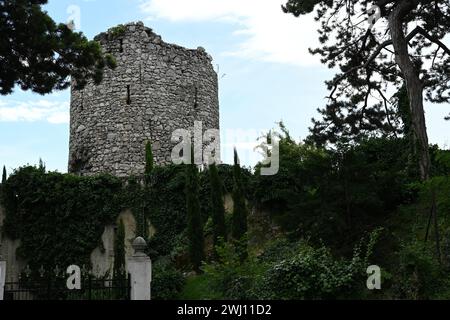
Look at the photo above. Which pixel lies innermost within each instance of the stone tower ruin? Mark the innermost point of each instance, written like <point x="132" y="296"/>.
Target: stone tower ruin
<point x="156" y="88"/>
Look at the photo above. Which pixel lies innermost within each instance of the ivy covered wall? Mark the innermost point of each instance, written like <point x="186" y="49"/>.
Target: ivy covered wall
<point x="60" y="218"/>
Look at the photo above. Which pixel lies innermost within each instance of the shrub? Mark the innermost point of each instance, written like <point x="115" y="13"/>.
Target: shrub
<point x="230" y="276"/>
<point x="418" y="274"/>
<point x="167" y="282"/>
<point x="287" y="270"/>
<point x="310" y="274"/>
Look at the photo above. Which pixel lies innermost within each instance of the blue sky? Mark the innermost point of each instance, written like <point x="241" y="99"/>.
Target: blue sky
<point x="265" y="71"/>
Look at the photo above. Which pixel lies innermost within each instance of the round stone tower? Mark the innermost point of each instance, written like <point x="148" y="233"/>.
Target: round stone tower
<point x="156" y="88"/>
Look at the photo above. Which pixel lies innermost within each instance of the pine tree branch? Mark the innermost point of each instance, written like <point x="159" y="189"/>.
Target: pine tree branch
<point x="423" y="32"/>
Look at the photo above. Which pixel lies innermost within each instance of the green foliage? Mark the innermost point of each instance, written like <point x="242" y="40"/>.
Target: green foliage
<point x="52" y="51"/>
<point x="119" y="252"/>
<point x="306" y="6"/>
<point x="166" y="202"/>
<point x="417" y="275"/>
<point x="440" y="161"/>
<point x="168" y="207"/>
<point x="117" y="31"/>
<point x="167" y="282"/>
<point x="310" y="274"/>
<point x="301" y="271"/>
<point x="194" y="219"/>
<point x="110" y="61"/>
<point x="4" y="175"/>
<point x="446" y="248"/>
<point x="350" y="115"/>
<point x="198" y="287"/>
<point x="217" y="206"/>
<point x="440" y="186"/>
<point x="59" y="218"/>
<point x="231" y="276"/>
<point x="290" y="270"/>
<point x="335" y="195"/>
<point x="240" y="212"/>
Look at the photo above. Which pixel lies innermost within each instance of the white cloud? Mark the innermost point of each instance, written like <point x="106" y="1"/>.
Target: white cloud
<point x="269" y="34"/>
<point x="54" y="112"/>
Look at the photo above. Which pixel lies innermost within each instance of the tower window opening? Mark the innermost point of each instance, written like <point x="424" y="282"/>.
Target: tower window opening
<point x="128" y="95"/>
<point x="121" y="45"/>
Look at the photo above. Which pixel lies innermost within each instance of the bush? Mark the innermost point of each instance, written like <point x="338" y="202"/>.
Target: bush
<point x="418" y="274"/>
<point x="310" y="274"/>
<point x="231" y="277"/>
<point x="167" y="282"/>
<point x="287" y="270"/>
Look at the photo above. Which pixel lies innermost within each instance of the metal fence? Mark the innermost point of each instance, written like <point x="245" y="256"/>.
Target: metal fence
<point x="56" y="289"/>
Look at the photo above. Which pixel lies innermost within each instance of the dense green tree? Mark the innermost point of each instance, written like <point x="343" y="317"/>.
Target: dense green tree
<point x="334" y="195"/>
<point x="194" y="217"/>
<point x="149" y="165"/>
<point x="405" y="46"/>
<point x="39" y="55"/>
<point x="119" y="251"/>
<point x="240" y="212"/>
<point x="4" y="175"/>
<point x="217" y="206"/>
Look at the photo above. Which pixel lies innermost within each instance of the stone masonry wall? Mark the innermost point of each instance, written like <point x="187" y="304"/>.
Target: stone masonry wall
<point x="155" y="89"/>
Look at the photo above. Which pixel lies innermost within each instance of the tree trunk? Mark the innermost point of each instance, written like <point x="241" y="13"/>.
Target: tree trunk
<point x="414" y="85"/>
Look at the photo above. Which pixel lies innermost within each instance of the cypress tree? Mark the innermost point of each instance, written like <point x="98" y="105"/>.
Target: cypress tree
<point x="195" y="226"/>
<point x="148" y="159"/>
<point x="119" y="252"/>
<point x="218" y="209"/>
<point x="119" y="273"/>
<point x="239" y="219"/>
<point x="149" y="165"/>
<point x="42" y="167"/>
<point x="4" y="175"/>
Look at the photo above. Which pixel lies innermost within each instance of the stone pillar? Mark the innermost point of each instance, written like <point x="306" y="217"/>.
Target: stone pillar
<point x="2" y="274"/>
<point x="140" y="269"/>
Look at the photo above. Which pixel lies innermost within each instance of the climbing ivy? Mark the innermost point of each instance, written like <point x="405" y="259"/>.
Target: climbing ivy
<point x="59" y="218"/>
<point x="167" y="203"/>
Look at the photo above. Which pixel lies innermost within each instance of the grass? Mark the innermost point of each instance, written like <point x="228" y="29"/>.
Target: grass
<point x="199" y="288"/>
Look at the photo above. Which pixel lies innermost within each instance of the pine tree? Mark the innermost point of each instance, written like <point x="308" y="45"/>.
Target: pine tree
<point x="218" y="209"/>
<point x="195" y="226"/>
<point x="358" y="103"/>
<point x="4" y="175"/>
<point x="407" y="129"/>
<point x="54" y="54"/>
<point x="239" y="221"/>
